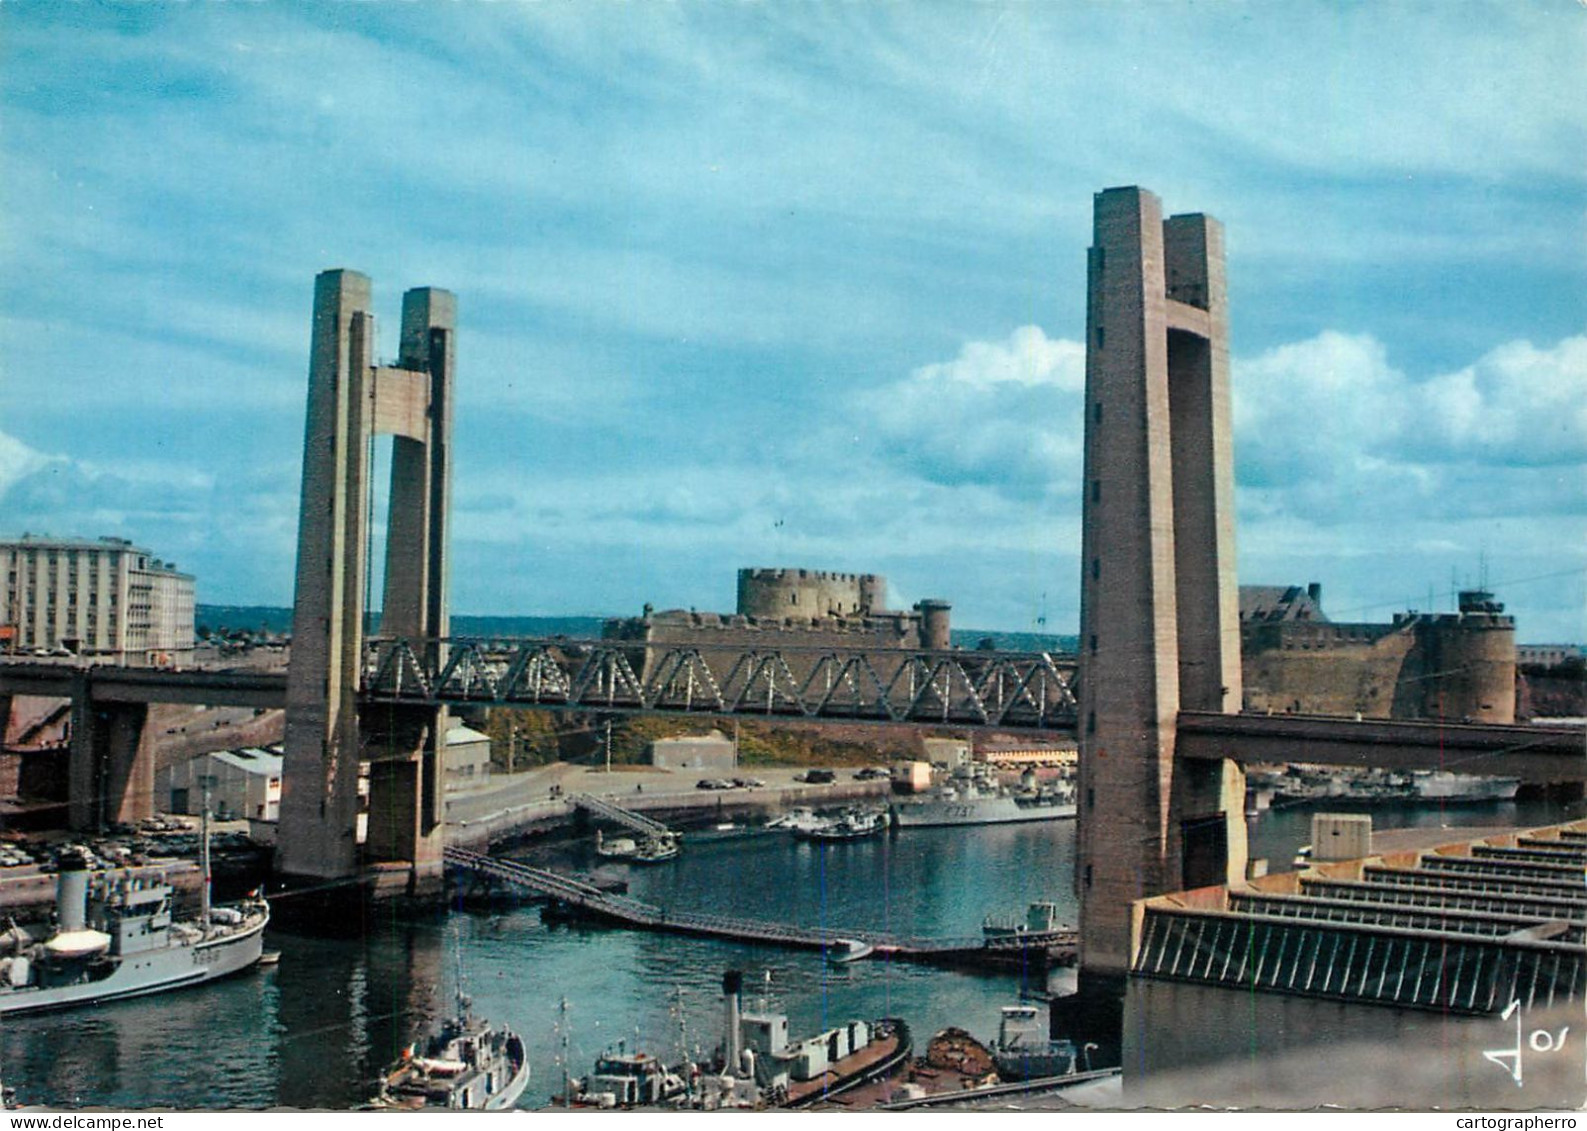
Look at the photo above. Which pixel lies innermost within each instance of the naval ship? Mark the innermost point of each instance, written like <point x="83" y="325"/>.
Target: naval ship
<point x="115" y="938"/>
<point x="976" y="799"/>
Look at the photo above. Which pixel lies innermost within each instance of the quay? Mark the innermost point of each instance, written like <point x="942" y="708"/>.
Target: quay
<point x="545" y="798"/>
<point x="1045" y="948"/>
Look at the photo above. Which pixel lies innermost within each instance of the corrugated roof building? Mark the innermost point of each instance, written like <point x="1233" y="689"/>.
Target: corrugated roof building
<point x="1453" y="952"/>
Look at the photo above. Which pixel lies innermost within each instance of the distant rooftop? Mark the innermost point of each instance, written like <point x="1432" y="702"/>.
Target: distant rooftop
<point x="104" y="543"/>
<point x="1265" y="603"/>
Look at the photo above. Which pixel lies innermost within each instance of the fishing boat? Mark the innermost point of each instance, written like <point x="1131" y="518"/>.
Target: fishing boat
<point x="851" y="824"/>
<point x="624" y="1079"/>
<point x="647" y="850"/>
<point x="466" y="1065"/>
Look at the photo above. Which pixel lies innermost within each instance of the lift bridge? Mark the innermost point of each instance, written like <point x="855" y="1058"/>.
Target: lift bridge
<point x="1027" y="691"/>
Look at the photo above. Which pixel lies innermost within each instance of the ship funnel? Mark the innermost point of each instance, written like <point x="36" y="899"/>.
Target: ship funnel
<point x="71" y="893"/>
<point x="732" y="985"/>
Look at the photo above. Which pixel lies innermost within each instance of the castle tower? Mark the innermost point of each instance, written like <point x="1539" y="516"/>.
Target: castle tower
<point x="1159" y="616"/>
<point x="350" y="400"/>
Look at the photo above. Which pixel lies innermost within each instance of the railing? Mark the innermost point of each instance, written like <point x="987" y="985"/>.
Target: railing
<point x="1013" y="690"/>
<point x="626" y="817"/>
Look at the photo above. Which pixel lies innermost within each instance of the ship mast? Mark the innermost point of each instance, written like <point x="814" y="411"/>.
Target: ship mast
<point x="205" y="780"/>
<point x="567" y="1079"/>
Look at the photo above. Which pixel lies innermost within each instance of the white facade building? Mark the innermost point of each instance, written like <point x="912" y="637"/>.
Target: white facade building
<point x="243" y="784"/>
<point x="102" y="599"/>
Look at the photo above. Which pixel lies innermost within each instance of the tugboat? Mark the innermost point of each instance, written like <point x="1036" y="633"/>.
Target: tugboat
<point x="467" y="1065"/>
<point x="1025" y="1052"/>
<point x="115" y="938"/>
<point x="759" y="1063"/>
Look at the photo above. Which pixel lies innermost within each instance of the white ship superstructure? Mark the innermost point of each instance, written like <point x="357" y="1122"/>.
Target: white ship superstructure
<point x="115" y="938"/>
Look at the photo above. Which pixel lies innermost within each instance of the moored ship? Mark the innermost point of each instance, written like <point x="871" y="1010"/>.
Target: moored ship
<point x="978" y="800"/>
<point x="115" y="938"/>
<point x="759" y="1059"/>
<point x="1025" y="1052"/>
<point x="851" y="824"/>
<point x="467" y="1065"/>
<point x="1441" y="785"/>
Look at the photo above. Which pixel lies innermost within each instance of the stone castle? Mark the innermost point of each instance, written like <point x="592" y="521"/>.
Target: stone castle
<point x="803" y="608"/>
<point x="1418" y="666"/>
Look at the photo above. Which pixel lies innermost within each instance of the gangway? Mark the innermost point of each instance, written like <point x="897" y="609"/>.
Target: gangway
<point x="1048" y="946"/>
<point x="625" y="817"/>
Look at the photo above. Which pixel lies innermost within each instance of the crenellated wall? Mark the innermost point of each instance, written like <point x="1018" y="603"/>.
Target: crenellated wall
<point x="809" y="593"/>
<point x="1420" y="666"/>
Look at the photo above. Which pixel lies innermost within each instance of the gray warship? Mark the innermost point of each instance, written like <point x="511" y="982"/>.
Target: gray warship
<point x="115" y="938"/>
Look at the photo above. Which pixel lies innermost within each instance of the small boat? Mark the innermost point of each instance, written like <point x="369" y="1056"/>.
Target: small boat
<point x="851" y="824"/>
<point x="843" y="951"/>
<point x="653" y="850"/>
<point x="1025" y="1052"/>
<point x="625" y="1079"/>
<point x="1041" y="918"/>
<point x="795" y="819"/>
<point x="466" y="1065"/>
<point x="649" y="850"/>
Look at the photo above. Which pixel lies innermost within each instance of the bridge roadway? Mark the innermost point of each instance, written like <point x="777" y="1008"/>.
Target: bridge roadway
<point x="1001" y="690"/>
<point x="1058" y="947"/>
<point x="1535" y="754"/>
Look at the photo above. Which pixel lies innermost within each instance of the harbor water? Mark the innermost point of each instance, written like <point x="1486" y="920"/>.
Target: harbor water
<point x="315" y="1031"/>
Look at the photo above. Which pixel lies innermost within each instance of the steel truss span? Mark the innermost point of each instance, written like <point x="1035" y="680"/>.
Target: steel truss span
<point x="1007" y="690"/>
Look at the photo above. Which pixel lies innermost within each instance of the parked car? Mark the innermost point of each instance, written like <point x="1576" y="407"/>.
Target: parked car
<point x="713" y="783"/>
<point x="817" y="777"/>
<point x="748" y="783"/>
<point x="871" y="773"/>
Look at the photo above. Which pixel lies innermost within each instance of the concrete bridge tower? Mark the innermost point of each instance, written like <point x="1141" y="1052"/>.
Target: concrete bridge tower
<point x="350" y="401"/>
<point x="1159" y="612"/>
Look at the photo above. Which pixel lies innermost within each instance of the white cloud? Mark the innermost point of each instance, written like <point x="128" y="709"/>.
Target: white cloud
<point x="1002" y="412"/>
<point x="18" y="461"/>
<point x="1330" y="427"/>
<point x="1518" y="404"/>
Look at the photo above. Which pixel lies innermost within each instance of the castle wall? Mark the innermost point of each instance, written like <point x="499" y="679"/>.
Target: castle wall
<point x="1325" y="669"/>
<point x="1419" y="667"/>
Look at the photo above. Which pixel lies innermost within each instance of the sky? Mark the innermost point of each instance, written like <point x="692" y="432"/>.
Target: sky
<point x="802" y="284"/>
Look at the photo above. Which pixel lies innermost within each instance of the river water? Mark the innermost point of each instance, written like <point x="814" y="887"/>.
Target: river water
<point x="316" y="1030"/>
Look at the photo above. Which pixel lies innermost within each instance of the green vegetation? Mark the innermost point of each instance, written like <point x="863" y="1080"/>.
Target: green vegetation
<point x="540" y="737"/>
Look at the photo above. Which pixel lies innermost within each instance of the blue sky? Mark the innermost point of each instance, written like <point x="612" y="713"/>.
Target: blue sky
<point x="802" y="284"/>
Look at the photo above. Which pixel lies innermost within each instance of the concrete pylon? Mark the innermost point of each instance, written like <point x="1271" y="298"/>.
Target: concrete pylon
<point x="1159" y="615"/>
<point x="350" y="401"/>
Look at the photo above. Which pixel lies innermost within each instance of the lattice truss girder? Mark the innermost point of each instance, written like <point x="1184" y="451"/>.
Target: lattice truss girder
<point x="970" y="688"/>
